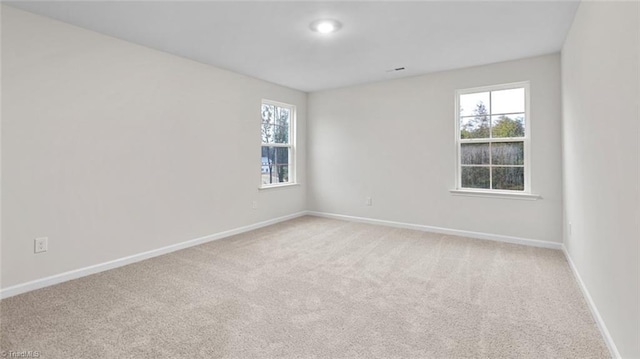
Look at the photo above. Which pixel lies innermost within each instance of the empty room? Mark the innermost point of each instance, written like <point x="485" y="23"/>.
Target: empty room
<point x="311" y="179"/>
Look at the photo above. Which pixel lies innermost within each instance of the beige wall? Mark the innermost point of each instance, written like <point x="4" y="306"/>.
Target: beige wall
<point x="112" y="149"/>
<point x="600" y="91"/>
<point x="394" y="141"/>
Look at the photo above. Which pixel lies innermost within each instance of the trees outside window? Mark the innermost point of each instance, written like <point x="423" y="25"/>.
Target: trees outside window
<point x="492" y="138"/>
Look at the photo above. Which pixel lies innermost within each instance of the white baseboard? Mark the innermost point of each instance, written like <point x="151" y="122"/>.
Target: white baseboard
<point x="592" y="306"/>
<point x="454" y="232"/>
<point x="82" y="272"/>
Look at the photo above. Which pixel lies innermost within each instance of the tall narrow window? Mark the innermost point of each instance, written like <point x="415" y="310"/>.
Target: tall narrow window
<point x="278" y="151"/>
<point x="493" y="138"/>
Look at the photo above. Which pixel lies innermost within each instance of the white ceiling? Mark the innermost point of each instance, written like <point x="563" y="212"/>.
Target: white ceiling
<point x="272" y="40"/>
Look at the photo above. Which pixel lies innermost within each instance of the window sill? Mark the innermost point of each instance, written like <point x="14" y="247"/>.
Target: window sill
<point x="280" y="185"/>
<point x="496" y="194"/>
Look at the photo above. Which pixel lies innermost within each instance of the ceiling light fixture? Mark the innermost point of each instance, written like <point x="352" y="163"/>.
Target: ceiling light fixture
<point x="325" y="26"/>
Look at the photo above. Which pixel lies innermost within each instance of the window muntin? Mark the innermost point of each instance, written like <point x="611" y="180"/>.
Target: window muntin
<point x="277" y="149"/>
<point x="492" y="138"/>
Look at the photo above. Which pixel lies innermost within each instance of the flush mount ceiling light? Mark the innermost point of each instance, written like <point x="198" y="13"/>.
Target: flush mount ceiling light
<point x="325" y="26"/>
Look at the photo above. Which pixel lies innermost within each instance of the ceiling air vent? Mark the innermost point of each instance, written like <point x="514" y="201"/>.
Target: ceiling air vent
<point x="396" y="69"/>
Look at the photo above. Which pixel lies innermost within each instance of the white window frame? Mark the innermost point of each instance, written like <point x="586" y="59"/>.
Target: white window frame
<point x="524" y="194"/>
<point x="291" y="145"/>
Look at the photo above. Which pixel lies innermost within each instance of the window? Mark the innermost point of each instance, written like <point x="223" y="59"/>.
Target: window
<point x="278" y="150"/>
<point x="492" y="135"/>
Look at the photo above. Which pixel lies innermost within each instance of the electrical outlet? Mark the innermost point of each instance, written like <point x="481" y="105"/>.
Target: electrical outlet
<point x="40" y="244"/>
<point x="254" y="204"/>
<point x="368" y="201"/>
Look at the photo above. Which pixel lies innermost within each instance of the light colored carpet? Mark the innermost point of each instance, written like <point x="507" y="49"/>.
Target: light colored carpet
<point x="316" y="288"/>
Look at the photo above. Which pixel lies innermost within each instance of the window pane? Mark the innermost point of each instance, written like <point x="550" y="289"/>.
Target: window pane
<point x="475" y="177"/>
<point x="270" y="177"/>
<point x="507" y="126"/>
<point x="278" y="174"/>
<point x="474" y="154"/>
<point x="268" y="164"/>
<point x="509" y="178"/>
<point x="268" y="113"/>
<point x="281" y="174"/>
<point x="265" y="160"/>
<point x="474" y="127"/>
<point x="275" y="165"/>
<point x="268" y="134"/>
<point x="474" y="104"/>
<point x="281" y="156"/>
<point x="268" y="155"/>
<point x="507" y="101"/>
<point x="507" y="153"/>
<point x="282" y="116"/>
<point x="280" y="134"/>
